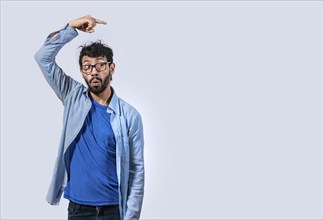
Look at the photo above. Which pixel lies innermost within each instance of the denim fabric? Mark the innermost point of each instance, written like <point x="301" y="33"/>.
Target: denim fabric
<point x="84" y="212"/>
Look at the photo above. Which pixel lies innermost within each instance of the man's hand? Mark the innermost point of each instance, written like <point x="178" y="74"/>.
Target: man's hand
<point x="86" y="23"/>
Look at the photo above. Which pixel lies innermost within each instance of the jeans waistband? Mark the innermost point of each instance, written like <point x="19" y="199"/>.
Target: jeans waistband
<point x="90" y="206"/>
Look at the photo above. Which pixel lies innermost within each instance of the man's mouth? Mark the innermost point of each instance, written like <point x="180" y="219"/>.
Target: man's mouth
<point x="95" y="82"/>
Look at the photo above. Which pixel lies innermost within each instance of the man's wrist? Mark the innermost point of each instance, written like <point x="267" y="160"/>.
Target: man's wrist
<point x="69" y="24"/>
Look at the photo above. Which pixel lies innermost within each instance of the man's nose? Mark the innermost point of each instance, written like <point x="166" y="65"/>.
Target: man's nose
<point x="94" y="72"/>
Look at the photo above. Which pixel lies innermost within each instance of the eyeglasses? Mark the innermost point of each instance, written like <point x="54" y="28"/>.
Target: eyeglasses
<point x="87" y="69"/>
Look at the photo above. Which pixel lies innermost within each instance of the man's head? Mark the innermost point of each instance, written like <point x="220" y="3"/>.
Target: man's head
<point x="96" y="66"/>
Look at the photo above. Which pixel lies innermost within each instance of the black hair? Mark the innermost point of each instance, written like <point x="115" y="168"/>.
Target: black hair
<point x="96" y="49"/>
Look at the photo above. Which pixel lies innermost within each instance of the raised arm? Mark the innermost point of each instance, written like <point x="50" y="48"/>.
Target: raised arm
<point x="45" y="57"/>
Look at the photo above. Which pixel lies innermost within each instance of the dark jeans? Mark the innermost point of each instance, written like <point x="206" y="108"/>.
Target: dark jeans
<point x="85" y="212"/>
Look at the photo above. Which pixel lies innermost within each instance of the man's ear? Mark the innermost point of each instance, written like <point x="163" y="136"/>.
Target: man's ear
<point x="112" y="68"/>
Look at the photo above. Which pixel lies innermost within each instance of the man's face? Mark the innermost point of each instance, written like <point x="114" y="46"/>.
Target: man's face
<point x="97" y="77"/>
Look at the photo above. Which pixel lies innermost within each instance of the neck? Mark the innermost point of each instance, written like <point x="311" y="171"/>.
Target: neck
<point x="104" y="97"/>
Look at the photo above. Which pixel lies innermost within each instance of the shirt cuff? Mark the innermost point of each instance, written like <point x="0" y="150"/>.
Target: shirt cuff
<point x="66" y="33"/>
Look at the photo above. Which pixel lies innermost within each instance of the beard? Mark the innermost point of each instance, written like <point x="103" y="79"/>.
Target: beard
<point x="102" y="85"/>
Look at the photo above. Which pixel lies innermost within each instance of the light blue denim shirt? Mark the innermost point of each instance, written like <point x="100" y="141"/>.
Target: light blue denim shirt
<point x="126" y="123"/>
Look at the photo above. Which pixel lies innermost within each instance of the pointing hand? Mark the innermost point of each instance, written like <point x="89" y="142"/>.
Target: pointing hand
<point x="86" y="23"/>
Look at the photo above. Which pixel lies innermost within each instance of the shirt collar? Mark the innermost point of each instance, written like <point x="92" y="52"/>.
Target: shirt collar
<point x="113" y="106"/>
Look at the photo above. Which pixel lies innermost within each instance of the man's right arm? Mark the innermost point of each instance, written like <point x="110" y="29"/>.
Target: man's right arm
<point x="45" y="58"/>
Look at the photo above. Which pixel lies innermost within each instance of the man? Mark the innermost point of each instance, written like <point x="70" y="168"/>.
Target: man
<point x="100" y="166"/>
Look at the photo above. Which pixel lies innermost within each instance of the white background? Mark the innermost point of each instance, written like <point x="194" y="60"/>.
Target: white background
<point x="231" y="95"/>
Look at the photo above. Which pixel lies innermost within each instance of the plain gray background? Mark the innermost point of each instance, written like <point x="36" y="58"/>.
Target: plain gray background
<point x="231" y="95"/>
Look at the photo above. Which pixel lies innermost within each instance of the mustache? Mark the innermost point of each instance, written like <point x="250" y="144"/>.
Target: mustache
<point x="97" y="78"/>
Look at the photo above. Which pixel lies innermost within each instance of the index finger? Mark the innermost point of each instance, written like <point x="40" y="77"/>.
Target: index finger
<point x="98" y="21"/>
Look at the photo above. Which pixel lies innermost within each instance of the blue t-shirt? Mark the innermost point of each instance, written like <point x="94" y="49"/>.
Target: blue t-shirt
<point x="92" y="176"/>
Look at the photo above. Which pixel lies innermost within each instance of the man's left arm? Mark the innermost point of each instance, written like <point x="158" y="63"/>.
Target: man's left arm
<point x="136" y="175"/>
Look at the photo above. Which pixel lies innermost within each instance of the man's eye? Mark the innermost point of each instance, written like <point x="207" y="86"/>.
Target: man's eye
<point x="102" y="64"/>
<point x="86" y="67"/>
